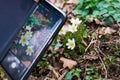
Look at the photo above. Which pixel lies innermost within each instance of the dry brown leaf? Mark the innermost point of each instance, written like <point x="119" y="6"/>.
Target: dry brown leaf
<point x="68" y="63"/>
<point x="90" y="19"/>
<point x="106" y="30"/>
<point x="72" y="1"/>
<point x="109" y="30"/>
<point x="68" y="8"/>
<point x="60" y="3"/>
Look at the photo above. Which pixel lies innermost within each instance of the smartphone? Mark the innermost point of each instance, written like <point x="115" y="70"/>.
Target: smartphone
<point x="13" y="14"/>
<point x="33" y="39"/>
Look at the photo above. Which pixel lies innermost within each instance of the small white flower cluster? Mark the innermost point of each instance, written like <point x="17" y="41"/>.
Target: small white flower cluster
<point x="75" y="23"/>
<point x="24" y="41"/>
<point x="71" y="28"/>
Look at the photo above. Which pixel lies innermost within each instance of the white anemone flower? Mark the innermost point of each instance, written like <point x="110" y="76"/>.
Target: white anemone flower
<point x="75" y="21"/>
<point x="72" y="28"/>
<point x="28" y="34"/>
<point x="24" y="40"/>
<point x="63" y="31"/>
<point x="28" y="28"/>
<point x="29" y="50"/>
<point x="71" y="44"/>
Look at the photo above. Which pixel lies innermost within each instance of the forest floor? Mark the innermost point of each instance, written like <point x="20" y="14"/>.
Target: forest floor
<point x="100" y="61"/>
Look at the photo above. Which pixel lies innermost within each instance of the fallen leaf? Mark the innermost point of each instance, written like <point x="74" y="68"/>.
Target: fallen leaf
<point x="90" y="19"/>
<point x="105" y="30"/>
<point x="68" y="8"/>
<point x="109" y="30"/>
<point x="72" y="1"/>
<point x="68" y="63"/>
<point x="60" y="3"/>
<point x="97" y="21"/>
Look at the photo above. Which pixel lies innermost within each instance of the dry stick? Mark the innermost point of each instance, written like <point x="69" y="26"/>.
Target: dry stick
<point x="47" y="77"/>
<point x="59" y="77"/>
<point x="100" y="49"/>
<point x="53" y="70"/>
<point x="91" y="42"/>
<point x="102" y="63"/>
<point x="62" y="76"/>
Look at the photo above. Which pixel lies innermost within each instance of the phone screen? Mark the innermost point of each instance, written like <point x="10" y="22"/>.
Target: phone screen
<point x="33" y="36"/>
<point x="30" y="41"/>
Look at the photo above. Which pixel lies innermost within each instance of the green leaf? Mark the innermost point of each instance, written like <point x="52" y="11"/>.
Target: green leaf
<point x="77" y="73"/>
<point x="100" y="5"/>
<point x="82" y="48"/>
<point x="80" y="4"/>
<point x="85" y="34"/>
<point x="109" y="21"/>
<point x="57" y="45"/>
<point x="81" y="12"/>
<point x="105" y="5"/>
<point x="96" y="12"/>
<point x="103" y="11"/>
<point x="117" y="17"/>
<point x="116" y="4"/>
<point x="69" y="76"/>
<point x="88" y="78"/>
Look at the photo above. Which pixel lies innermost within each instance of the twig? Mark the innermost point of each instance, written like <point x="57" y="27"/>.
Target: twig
<point x="53" y="70"/>
<point x="91" y="42"/>
<point x="61" y="77"/>
<point x="100" y="49"/>
<point x="58" y="76"/>
<point x="102" y="64"/>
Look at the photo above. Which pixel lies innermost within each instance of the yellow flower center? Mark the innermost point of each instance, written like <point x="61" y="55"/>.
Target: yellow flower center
<point x="71" y="44"/>
<point x="29" y="50"/>
<point x="24" y="39"/>
<point x="73" y="28"/>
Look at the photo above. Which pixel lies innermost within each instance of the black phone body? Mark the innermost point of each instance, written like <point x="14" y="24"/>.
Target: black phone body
<point x="13" y="15"/>
<point x="33" y="40"/>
